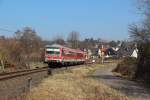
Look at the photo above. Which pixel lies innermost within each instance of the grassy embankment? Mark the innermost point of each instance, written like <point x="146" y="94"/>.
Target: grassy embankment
<point x="74" y="84"/>
<point x="34" y="65"/>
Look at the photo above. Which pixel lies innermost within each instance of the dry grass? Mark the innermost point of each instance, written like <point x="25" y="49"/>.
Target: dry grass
<point x="74" y="85"/>
<point x="37" y="65"/>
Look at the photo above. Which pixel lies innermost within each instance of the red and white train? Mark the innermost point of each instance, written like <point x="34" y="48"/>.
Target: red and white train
<point x="60" y="55"/>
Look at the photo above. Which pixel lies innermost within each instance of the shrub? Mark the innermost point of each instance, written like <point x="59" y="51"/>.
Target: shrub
<point x="127" y="67"/>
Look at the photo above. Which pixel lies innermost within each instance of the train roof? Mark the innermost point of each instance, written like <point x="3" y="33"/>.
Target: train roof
<point x="55" y="45"/>
<point x="61" y="46"/>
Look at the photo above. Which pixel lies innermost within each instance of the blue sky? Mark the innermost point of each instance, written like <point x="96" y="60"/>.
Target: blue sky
<point x="107" y="19"/>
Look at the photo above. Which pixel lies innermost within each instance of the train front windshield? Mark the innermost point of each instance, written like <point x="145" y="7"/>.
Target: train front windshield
<point x="53" y="51"/>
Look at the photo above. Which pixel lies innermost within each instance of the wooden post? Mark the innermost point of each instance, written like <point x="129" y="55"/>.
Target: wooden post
<point x="29" y="83"/>
<point x="2" y="67"/>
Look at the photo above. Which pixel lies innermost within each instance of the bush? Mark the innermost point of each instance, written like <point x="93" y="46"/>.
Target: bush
<point x="127" y="67"/>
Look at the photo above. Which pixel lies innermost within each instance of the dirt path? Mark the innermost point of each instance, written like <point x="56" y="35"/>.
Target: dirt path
<point x="129" y="88"/>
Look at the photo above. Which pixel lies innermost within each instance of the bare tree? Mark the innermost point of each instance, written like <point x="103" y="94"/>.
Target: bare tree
<point x="20" y="50"/>
<point x="113" y="43"/>
<point x="59" y="40"/>
<point x="141" y="35"/>
<point x="3" y="52"/>
<point x="30" y="43"/>
<point x="73" y="39"/>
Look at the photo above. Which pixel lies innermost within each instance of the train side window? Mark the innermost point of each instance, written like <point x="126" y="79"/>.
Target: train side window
<point x="70" y="54"/>
<point x="79" y="54"/>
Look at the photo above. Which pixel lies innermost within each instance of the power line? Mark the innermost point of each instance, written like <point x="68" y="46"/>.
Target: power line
<point x="3" y="29"/>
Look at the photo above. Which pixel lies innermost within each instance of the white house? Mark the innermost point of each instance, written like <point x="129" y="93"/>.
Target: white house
<point x="135" y="53"/>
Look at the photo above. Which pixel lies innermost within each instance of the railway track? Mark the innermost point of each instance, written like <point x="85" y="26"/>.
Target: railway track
<point x="13" y="84"/>
<point x="8" y="75"/>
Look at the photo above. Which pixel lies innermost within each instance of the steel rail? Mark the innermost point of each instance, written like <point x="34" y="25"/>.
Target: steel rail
<point x="4" y="76"/>
<point x="5" y="73"/>
<point x="9" y="75"/>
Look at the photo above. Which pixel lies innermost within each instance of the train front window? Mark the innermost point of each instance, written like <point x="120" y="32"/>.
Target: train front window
<point x="53" y="51"/>
<point x="50" y="52"/>
<point x="57" y="53"/>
